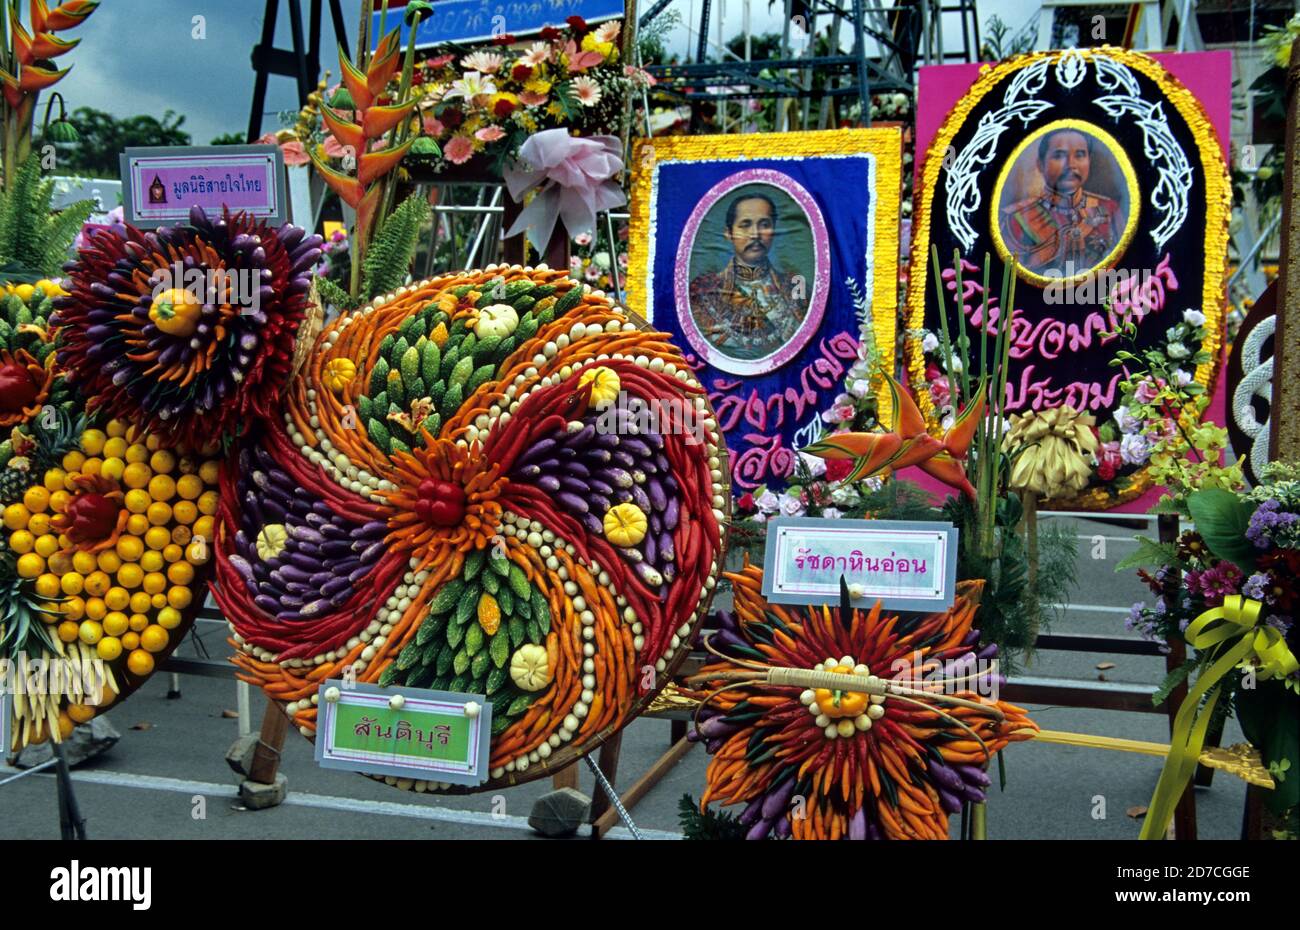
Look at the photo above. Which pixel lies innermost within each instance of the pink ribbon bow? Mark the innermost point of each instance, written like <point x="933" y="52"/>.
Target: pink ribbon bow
<point x="577" y="180"/>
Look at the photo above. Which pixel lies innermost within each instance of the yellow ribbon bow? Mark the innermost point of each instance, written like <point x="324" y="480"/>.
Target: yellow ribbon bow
<point x="1234" y="626"/>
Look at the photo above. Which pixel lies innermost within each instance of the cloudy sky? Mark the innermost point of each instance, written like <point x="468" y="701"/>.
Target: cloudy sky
<point x="142" y="56"/>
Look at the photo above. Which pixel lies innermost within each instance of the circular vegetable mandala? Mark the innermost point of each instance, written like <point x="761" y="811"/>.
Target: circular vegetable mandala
<point x="491" y="483"/>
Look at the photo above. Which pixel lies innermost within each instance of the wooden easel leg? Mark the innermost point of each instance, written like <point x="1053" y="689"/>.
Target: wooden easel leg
<point x="566" y="777"/>
<point x="608" y="762"/>
<point x="1252" y="819"/>
<point x="266" y="757"/>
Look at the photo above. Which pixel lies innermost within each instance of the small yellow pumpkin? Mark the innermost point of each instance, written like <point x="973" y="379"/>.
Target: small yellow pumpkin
<point x="605" y="386"/>
<point x="176" y="312"/>
<point x="339" y="374"/>
<point x="271" y="541"/>
<point x="625" y="524"/>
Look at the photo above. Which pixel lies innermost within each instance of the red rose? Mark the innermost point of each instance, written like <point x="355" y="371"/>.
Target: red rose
<point x="1106" y="470"/>
<point x="417" y="78"/>
<point x="577" y="24"/>
<point x="550" y="34"/>
<point x="838" y="469"/>
<point x="746" y="503"/>
<point x="451" y="117"/>
<point x="504" y="39"/>
<point x="502" y="108"/>
<point x="521" y="72"/>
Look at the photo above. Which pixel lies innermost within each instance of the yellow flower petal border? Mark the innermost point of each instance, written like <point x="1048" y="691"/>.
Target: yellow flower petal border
<point x="1218" y="209"/>
<point x="884" y="144"/>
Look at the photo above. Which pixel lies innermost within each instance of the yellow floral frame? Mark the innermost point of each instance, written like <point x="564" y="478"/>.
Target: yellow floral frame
<point x="1218" y="191"/>
<point x="884" y="145"/>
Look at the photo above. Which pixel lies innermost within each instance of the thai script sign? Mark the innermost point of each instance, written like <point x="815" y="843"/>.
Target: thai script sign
<point x="905" y="565"/>
<point x="407" y="732"/>
<point x="161" y="184"/>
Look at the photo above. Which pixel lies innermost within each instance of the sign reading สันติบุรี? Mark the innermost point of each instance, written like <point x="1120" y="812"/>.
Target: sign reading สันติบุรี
<point x="906" y="565"/>
<point x="431" y="735"/>
<point x="472" y="20"/>
<point x="161" y="184"/>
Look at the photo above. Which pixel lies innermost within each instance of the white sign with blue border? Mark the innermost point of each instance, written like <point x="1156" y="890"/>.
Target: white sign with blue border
<point x="904" y="564"/>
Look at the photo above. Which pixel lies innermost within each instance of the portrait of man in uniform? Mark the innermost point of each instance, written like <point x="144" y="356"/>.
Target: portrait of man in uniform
<point x="748" y="303"/>
<point x="1053" y="215"/>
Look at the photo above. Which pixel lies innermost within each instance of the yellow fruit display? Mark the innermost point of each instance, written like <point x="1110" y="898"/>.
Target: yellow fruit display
<point x="39" y="524"/>
<point x="22" y="541"/>
<point x="108" y="561"/>
<point x="130" y="641"/>
<point x="154" y="638"/>
<point x="90" y="632"/>
<point x="47" y="585"/>
<point x="137" y="500"/>
<point x="69" y="584"/>
<point x="92" y="442"/>
<point x="46" y="546"/>
<point x="30" y="565"/>
<point x="136" y="475"/>
<point x="37" y="499"/>
<point x="139" y="662"/>
<point x="129" y="548"/>
<point x="16" y="517"/>
<point x="115" y="623"/>
<point x="109" y="648"/>
<point x="114" y="448"/>
<point x="84" y="562"/>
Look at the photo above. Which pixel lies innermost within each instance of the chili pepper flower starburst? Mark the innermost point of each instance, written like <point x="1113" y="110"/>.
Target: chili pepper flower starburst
<point x="196" y="357"/>
<point x="890" y="764"/>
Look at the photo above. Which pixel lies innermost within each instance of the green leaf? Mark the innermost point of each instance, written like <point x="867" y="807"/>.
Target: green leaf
<point x="1149" y="553"/>
<point x="1222" y="518"/>
<point x="389" y="255"/>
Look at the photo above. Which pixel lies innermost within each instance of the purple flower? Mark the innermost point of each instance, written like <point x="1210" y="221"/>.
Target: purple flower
<point x="1135" y="449"/>
<point x="1266" y="522"/>
<point x="1254" y="586"/>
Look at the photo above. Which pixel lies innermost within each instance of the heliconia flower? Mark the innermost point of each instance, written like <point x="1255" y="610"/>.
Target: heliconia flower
<point x="229" y="361"/>
<point x="65" y="16"/>
<point x="909" y="443"/>
<point x="483" y="61"/>
<point x="587" y="91"/>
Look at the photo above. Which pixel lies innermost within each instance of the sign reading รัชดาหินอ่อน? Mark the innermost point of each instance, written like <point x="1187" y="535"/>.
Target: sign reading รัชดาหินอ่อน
<point x="430" y="736"/>
<point x="471" y="20"/>
<point x="161" y="184"/>
<point x="906" y="565"/>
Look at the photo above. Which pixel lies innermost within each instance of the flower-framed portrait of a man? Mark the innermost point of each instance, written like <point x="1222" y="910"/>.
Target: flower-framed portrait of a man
<point x="1066" y="202"/>
<point x="772" y="261"/>
<point x="755" y="253"/>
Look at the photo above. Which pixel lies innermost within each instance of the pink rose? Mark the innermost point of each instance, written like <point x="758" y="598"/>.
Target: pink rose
<point x="1147" y="391"/>
<point x="940" y="394"/>
<point x="294" y="153"/>
<point x="336" y="149"/>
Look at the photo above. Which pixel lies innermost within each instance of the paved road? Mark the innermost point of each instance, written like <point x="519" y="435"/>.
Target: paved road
<point x="168" y="768"/>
